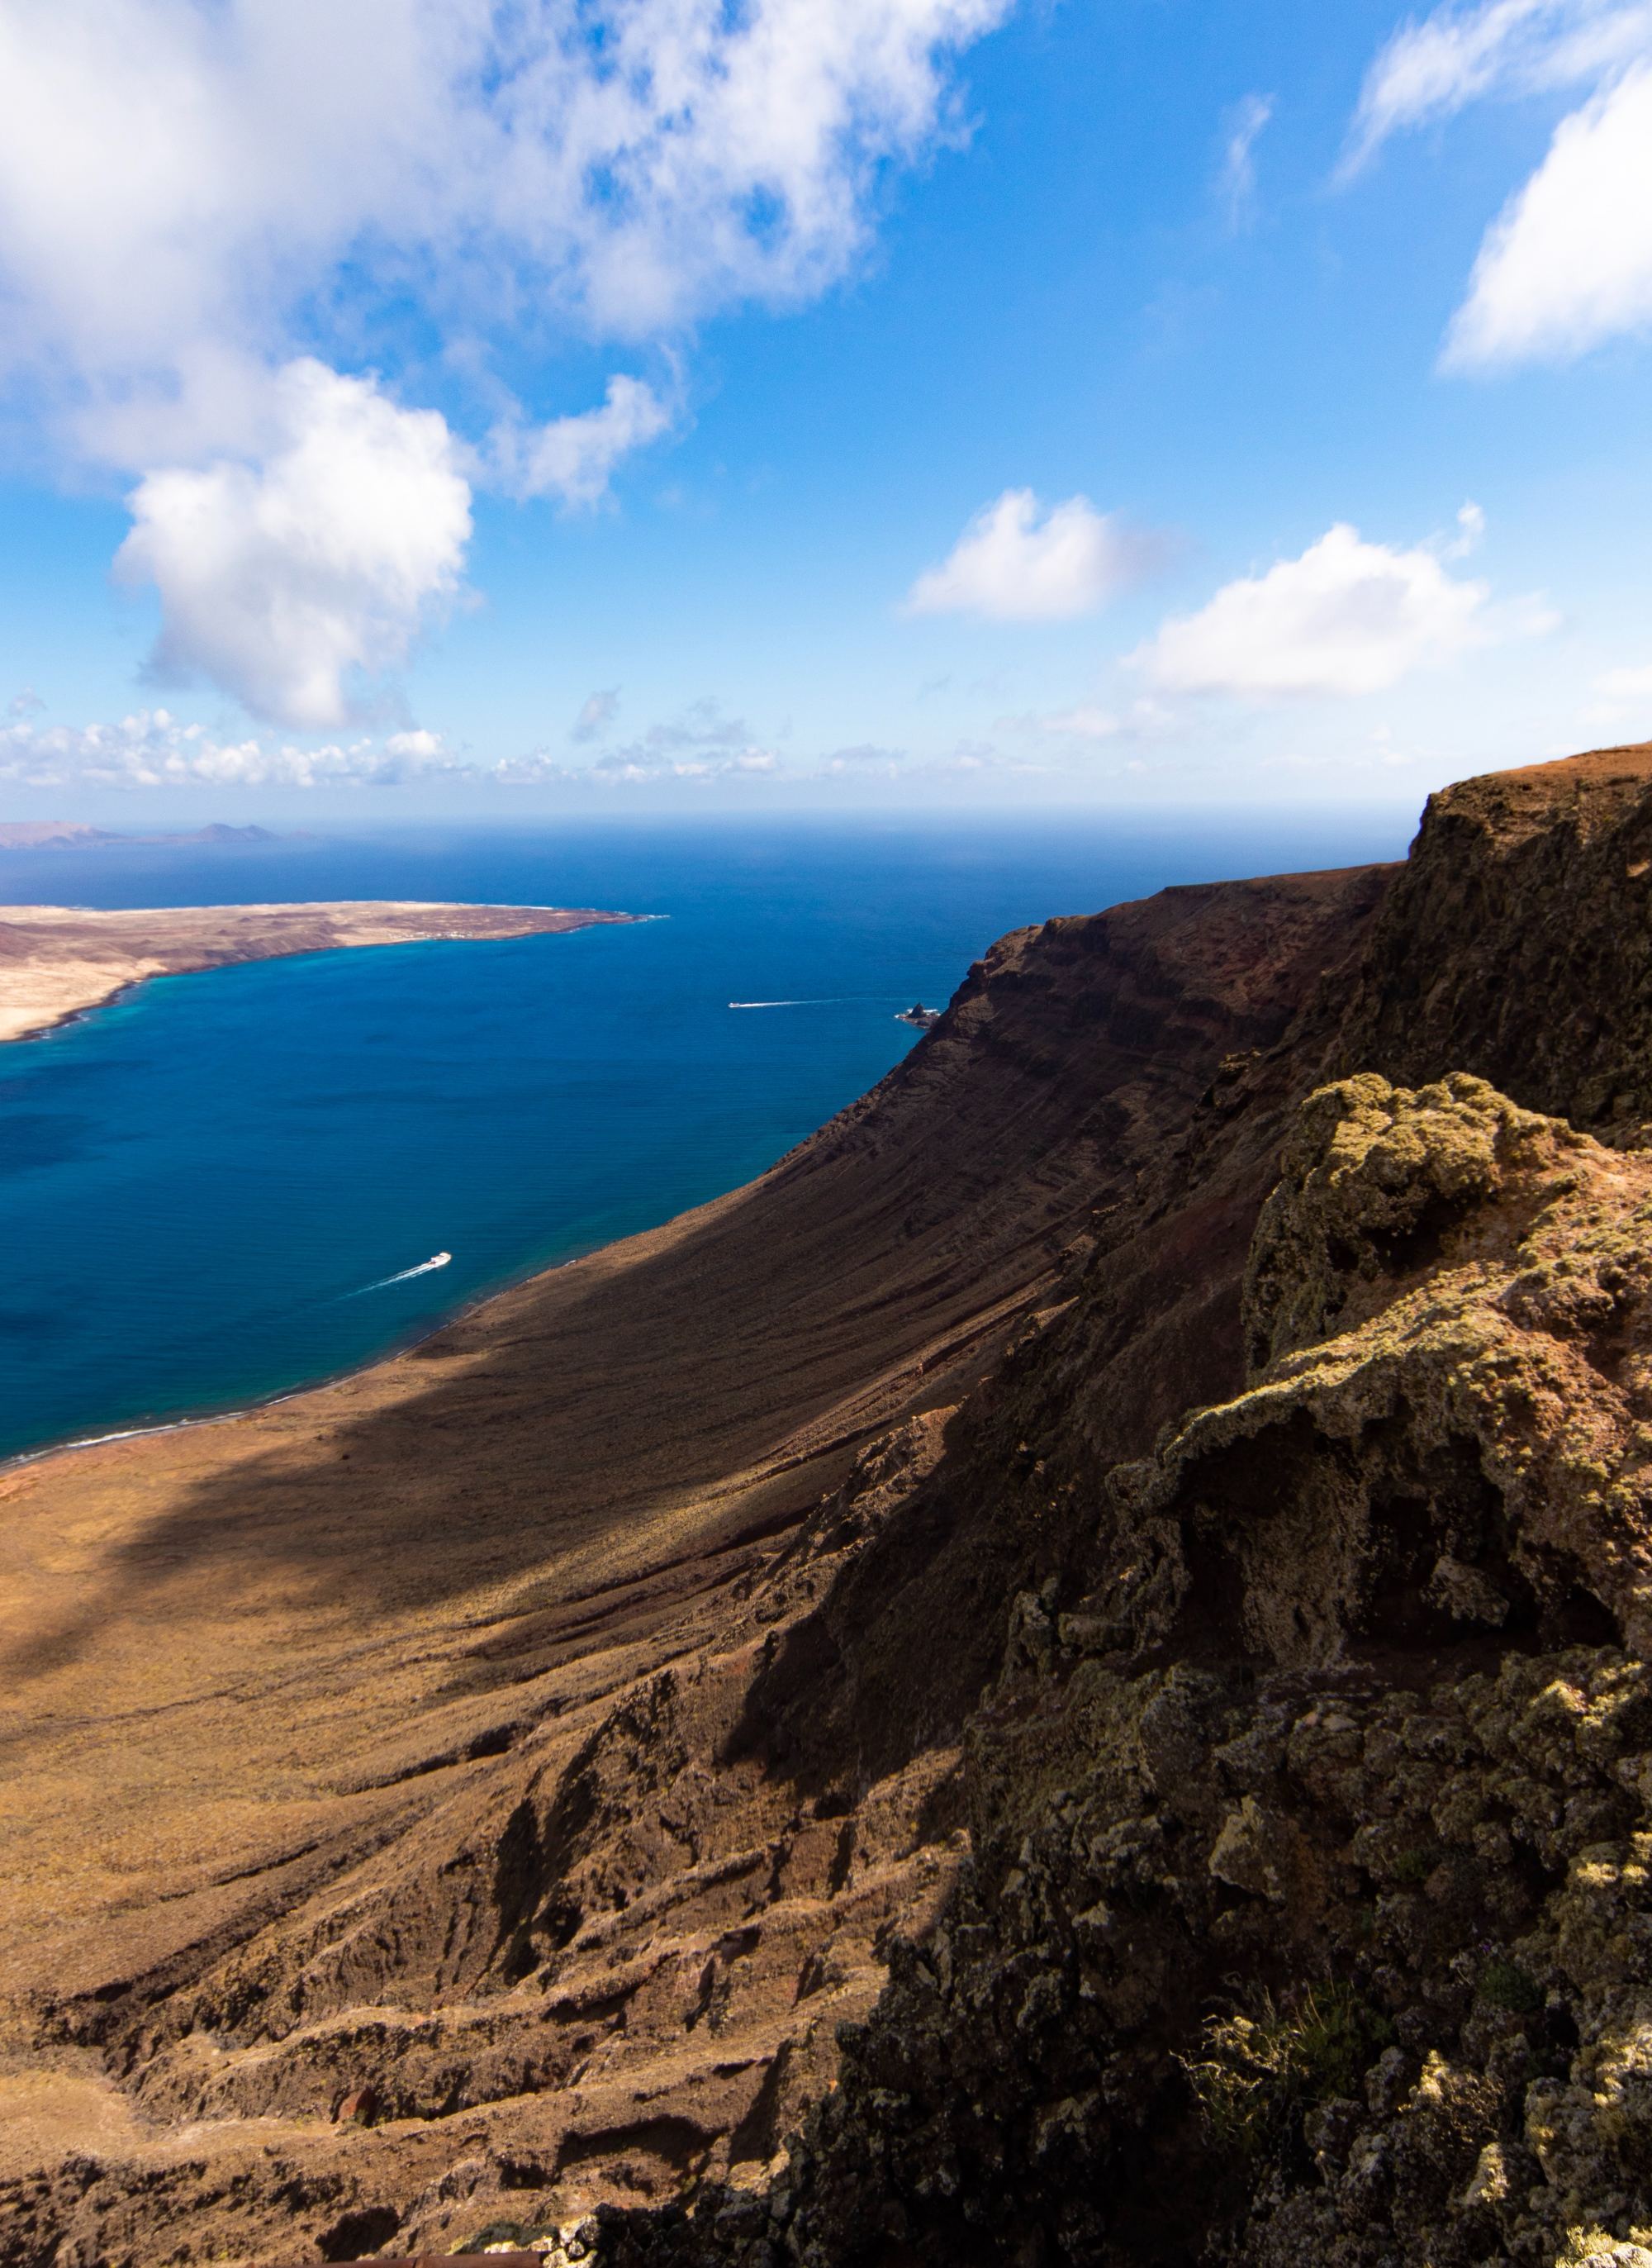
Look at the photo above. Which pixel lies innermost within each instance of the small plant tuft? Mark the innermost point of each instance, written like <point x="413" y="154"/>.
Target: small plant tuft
<point x="1413" y="1867"/>
<point x="1505" y="1984"/>
<point x="1259" y="2072"/>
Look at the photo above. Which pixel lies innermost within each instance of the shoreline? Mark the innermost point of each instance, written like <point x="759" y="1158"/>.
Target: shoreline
<point x="254" y="1405"/>
<point x="70" y="962"/>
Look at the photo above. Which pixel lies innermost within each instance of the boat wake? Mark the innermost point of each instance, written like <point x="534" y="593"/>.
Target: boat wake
<point x="436" y="1260"/>
<point x="833" y="1000"/>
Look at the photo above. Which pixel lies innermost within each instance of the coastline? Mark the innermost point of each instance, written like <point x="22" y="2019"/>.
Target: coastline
<point x="253" y="1406"/>
<point x="67" y="962"/>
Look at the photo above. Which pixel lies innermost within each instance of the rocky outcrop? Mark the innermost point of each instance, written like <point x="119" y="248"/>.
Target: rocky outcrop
<point x="1516" y="944"/>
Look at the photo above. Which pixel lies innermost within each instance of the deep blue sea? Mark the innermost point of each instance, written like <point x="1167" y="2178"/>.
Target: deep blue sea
<point x="199" y="1183"/>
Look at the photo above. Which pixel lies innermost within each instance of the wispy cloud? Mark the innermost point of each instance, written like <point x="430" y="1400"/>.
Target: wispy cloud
<point x="596" y="713"/>
<point x="1142" y="718"/>
<point x="573" y="458"/>
<point x="1243" y="128"/>
<point x="703" y="742"/>
<point x="1437" y="65"/>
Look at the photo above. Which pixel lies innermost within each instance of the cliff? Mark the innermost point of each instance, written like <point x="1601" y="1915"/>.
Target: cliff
<point x="1061" y="1679"/>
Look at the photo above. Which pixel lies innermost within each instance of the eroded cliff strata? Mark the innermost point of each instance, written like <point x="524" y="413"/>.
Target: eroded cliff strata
<point x="1183" y="1792"/>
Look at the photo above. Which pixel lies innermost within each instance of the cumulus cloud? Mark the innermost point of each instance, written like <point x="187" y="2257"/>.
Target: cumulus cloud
<point x="1017" y="562"/>
<point x="573" y="458"/>
<point x="152" y="748"/>
<point x="281" y="579"/>
<point x="177" y="172"/>
<point x="1568" y="263"/>
<point x="198" y="197"/>
<point x="1345" y="617"/>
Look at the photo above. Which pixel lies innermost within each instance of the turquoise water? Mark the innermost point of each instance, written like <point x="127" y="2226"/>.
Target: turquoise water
<point x="199" y="1183"/>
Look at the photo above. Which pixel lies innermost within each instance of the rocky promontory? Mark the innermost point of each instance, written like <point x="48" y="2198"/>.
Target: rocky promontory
<point x="1063" y="1679"/>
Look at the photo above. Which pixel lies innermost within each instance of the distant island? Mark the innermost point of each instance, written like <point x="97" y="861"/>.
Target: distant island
<point x="57" y="961"/>
<point x="918" y="1014"/>
<point x="72" y="834"/>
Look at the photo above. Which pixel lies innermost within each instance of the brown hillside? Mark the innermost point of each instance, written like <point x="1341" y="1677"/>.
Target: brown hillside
<point x="398" y="1746"/>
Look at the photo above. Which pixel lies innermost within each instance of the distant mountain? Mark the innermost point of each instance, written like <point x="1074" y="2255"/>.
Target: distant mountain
<point x="41" y="833"/>
<point x="69" y="834"/>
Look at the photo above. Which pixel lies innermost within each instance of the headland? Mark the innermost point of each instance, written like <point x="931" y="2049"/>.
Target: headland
<point x="58" y="962"/>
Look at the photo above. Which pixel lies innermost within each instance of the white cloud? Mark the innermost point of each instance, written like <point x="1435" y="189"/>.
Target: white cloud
<point x="1086" y="723"/>
<point x="1245" y="123"/>
<point x="1143" y="718"/>
<point x="182" y="174"/>
<point x="1626" y="684"/>
<point x="573" y="458"/>
<point x="1432" y="67"/>
<point x="1569" y="264"/>
<point x="865" y="761"/>
<point x="280" y="579"/>
<point x="1015" y="563"/>
<point x="153" y="749"/>
<point x="1346" y="617"/>
<point x="597" y="712"/>
<point x="1471" y="532"/>
<point x="198" y="196"/>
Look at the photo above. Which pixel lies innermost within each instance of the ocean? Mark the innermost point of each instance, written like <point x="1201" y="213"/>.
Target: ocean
<point x="211" y="1189"/>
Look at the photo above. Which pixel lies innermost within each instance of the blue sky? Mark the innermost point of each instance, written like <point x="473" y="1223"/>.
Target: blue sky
<point x="817" y="402"/>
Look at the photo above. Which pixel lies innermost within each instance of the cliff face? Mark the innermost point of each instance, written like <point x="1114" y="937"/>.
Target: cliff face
<point x="1078" y="1650"/>
<point x="1308" y="1912"/>
<point x="1517" y="944"/>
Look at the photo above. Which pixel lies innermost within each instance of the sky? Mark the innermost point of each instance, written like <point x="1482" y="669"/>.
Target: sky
<point x="436" y="406"/>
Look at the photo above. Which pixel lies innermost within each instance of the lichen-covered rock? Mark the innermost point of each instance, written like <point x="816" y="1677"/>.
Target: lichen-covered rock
<point x="1377" y="1183"/>
<point x="1455" y="1431"/>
